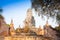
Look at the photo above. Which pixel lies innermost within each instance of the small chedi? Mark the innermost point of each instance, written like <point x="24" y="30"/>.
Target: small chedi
<point x="11" y="29"/>
<point x="28" y="30"/>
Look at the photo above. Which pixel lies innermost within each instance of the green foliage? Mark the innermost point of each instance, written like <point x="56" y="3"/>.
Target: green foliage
<point x="58" y="17"/>
<point x="57" y="28"/>
<point x="37" y="3"/>
<point x="8" y="25"/>
<point x="0" y="10"/>
<point x="48" y="8"/>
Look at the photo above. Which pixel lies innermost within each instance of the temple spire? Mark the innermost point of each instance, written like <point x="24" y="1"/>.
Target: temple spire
<point x="30" y="21"/>
<point x="19" y="26"/>
<point x="11" y="21"/>
<point x="11" y="24"/>
<point x="12" y="30"/>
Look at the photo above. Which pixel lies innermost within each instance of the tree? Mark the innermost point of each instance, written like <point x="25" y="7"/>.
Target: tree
<point x="58" y="28"/>
<point x="58" y="18"/>
<point x="1" y="14"/>
<point x="0" y="10"/>
<point x="49" y="8"/>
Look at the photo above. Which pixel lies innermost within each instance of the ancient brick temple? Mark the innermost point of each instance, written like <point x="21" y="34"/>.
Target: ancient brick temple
<point x="29" y="32"/>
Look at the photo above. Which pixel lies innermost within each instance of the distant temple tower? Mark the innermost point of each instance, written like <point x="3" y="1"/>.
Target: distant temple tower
<point x="11" y="24"/>
<point x="30" y="19"/>
<point x="12" y="30"/>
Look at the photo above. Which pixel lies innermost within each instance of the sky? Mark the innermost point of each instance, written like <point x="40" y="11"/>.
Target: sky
<point x="17" y="9"/>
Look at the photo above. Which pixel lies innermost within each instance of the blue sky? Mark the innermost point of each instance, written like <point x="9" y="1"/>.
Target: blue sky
<point x="7" y="2"/>
<point x="16" y="10"/>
